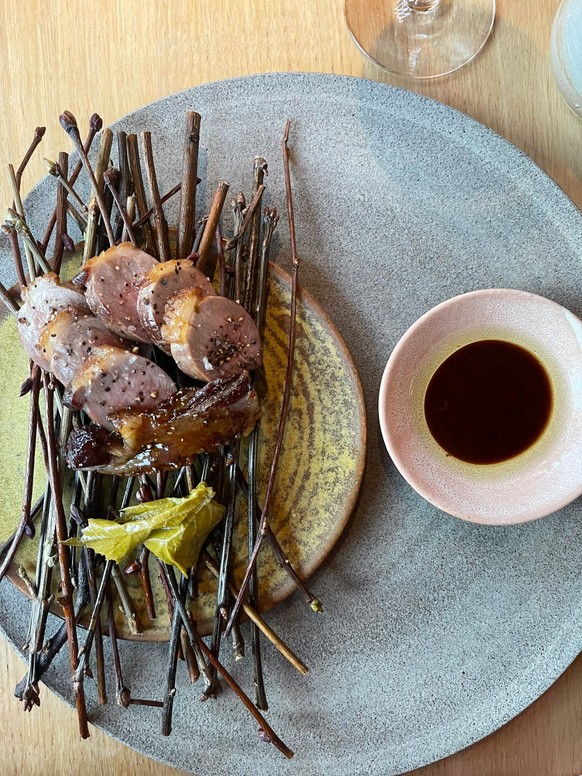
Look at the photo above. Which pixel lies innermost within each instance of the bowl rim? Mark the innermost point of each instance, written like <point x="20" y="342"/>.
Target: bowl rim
<point x="400" y="460"/>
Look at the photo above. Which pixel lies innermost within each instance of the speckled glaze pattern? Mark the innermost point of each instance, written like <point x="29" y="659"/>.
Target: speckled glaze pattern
<point x="307" y="519"/>
<point x="436" y="631"/>
<point x="544" y="477"/>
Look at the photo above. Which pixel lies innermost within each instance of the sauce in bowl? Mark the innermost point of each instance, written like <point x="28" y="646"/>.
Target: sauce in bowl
<point x="488" y="402"/>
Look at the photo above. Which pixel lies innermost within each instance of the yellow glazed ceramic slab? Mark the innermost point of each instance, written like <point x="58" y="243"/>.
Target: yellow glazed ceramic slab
<point x="320" y="469"/>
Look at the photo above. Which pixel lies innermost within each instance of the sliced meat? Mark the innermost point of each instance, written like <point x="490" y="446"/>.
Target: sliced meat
<point x="170" y="436"/>
<point x="56" y="327"/>
<point x="44" y="299"/>
<point x="210" y="336"/>
<point x="91" y="446"/>
<point x="111" y="282"/>
<point x="29" y="335"/>
<point x="113" y="380"/>
<point x="46" y="296"/>
<point x="162" y="282"/>
<point x="74" y="341"/>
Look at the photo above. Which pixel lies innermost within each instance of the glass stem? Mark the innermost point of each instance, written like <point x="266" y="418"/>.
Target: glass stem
<point x="422" y="5"/>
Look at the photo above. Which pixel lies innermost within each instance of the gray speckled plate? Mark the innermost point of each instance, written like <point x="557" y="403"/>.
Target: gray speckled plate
<point x="436" y="631"/>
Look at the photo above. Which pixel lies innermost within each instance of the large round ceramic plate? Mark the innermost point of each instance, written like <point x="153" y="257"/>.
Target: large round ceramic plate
<point x="436" y="631"/>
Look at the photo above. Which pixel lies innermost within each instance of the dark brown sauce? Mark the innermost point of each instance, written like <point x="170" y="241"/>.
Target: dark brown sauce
<point x="488" y="402"/>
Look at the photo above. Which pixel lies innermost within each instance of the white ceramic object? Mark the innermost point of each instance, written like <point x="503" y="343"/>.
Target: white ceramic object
<point x="566" y="52"/>
<point x="538" y="481"/>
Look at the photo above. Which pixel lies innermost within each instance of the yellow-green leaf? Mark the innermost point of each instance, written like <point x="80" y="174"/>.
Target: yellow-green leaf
<point x="173" y="529"/>
<point x="180" y="545"/>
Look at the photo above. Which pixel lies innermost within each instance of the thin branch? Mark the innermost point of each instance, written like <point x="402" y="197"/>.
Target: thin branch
<point x="187" y="218"/>
<point x="95" y="125"/>
<point x="256" y="618"/>
<point x="120" y="206"/>
<point x="69" y="124"/>
<point x="268" y="734"/>
<point x="262" y="530"/>
<point x="66" y="597"/>
<point x="38" y="136"/>
<point x="61" y="210"/>
<point x="159" y="217"/>
<point x="16" y="255"/>
<point x="211" y="224"/>
<point x="140" y="195"/>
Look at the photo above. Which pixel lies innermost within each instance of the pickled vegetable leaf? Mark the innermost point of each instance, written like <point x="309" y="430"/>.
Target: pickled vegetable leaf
<point x="173" y="529"/>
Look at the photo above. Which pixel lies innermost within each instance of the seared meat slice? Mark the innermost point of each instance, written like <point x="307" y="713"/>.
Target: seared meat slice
<point x="111" y="282"/>
<point x="74" y="340"/>
<point x="46" y="296"/>
<point x="30" y="337"/>
<point x="170" y="436"/>
<point x="112" y="380"/>
<point x="56" y="327"/>
<point x="164" y="280"/>
<point x="91" y="446"/>
<point x="210" y="336"/>
<point x="43" y="299"/>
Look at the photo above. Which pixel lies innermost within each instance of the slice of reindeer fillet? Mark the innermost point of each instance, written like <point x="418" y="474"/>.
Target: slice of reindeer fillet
<point x="74" y="340"/>
<point x="162" y="282"/>
<point x="112" y="281"/>
<point x="44" y="299"/>
<point x="192" y="421"/>
<point x="112" y="380"/>
<point x="210" y="336"/>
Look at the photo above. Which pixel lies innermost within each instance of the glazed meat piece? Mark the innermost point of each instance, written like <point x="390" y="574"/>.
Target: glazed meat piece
<point x="112" y="281"/>
<point x="91" y="446"/>
<point x="112" y="380"/>
<point x="52" y="331"/>
<point x="210" y="336"/>
<point x="46" y="296"/>
<point x="170" y="436"/>
<point x="43" y="299"/>
<point x="162" y="282"/>
<point x="74" y="341"/>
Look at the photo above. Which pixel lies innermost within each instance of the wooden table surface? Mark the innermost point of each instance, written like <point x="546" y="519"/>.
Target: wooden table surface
<point x="113" y="56"/>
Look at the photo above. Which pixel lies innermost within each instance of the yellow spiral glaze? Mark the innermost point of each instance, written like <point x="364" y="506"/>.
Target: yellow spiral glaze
<point x="320" y="468"/>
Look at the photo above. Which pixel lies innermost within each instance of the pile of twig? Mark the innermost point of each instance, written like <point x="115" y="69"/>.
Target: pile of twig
<point x="89" y="587"/>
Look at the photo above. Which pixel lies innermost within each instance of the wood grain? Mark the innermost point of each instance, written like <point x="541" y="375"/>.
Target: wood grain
<point x="114" y="56"/>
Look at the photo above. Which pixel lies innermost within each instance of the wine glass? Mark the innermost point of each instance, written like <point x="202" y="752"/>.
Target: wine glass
<point x="566" y="52"/>
<point x="420" y="38"/>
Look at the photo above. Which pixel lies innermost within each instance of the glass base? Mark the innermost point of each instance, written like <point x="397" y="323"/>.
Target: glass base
<point x="420" y="38"/>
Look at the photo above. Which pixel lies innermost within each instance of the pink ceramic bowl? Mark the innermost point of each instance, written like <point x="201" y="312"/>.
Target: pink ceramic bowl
<point x="538" y="481"/>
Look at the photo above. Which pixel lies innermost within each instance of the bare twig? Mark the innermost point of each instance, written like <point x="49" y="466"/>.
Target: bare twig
<point x="262" y="530"/>
<point x="16" y="255"/>
<point x="38" y="136"/>
<point x="32" y="249"/>
<point x="187" y="218"/>
<point x="95" y="124"/>
<point x="268" y="734"/>
<point x="146" y="583"/>
<point x="120" y="206"/>
<point x="69" y="124"/>
<point x="9" y="302"/>
<point x="66" y="598"/>
<point x="211" y="224"/>
<point x="256" y="618"/>
<point x="28" y="472"/>
<point x="247" y="218"/>
<point x="159" y="217"/>
<point x="140" y="195"/>
<point x="149" y="213"/>
<point x="260" y="170"/>
<point x="56" y="170"/>
<point x="61" y="211"/>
